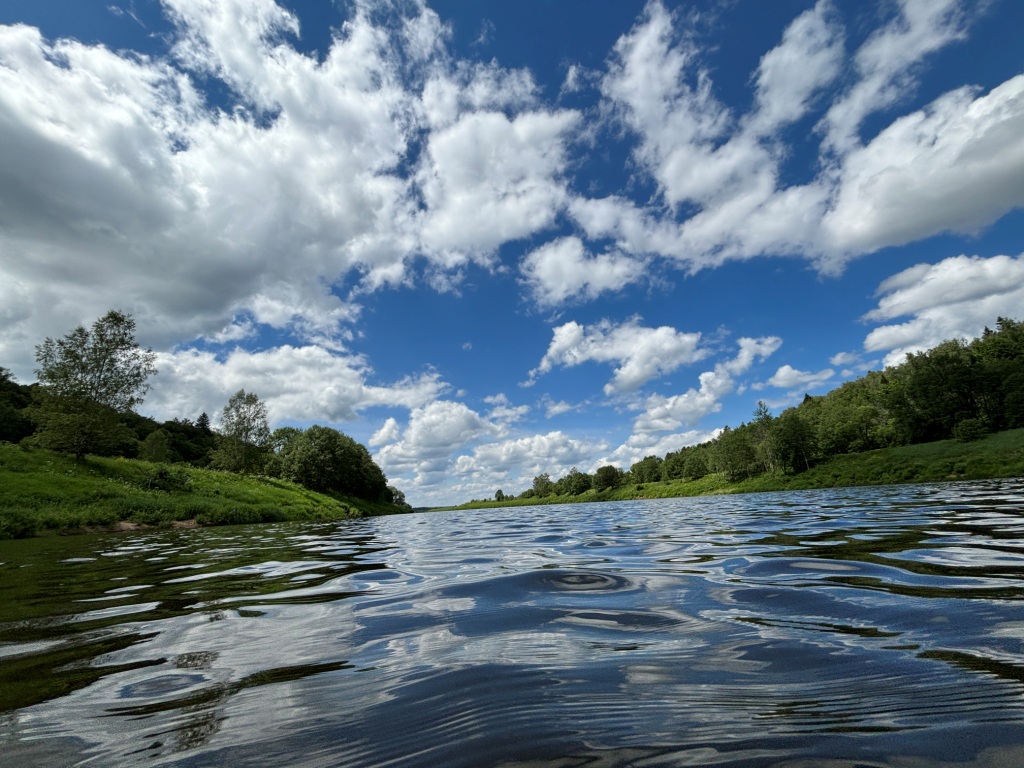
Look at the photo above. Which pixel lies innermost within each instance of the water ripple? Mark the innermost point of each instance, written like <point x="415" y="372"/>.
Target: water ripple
<point x="854" y="627"/>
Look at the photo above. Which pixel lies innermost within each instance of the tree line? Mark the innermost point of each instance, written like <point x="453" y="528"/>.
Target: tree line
<point x="956" y="390"/>
<point x="91" y="380"/>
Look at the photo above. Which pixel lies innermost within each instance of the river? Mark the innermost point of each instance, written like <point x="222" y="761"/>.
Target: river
<point x="850" y="627"/>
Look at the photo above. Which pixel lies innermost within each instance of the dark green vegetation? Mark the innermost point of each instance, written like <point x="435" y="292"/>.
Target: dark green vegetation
<point x="953" y="412"/>
<point x="90" y="382"/>
<point x="44" y="491"/>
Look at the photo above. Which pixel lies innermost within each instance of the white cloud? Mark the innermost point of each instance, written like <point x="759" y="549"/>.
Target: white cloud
<point x="123" y="187"/>
<point x="665" y="414"/>
<point x="434" y="433"/>
<point x="562" y="270"/>
<point x="792" y="73"/>
<point x="788" y="377"/>
<point x="641" y="353"/>
<point x="885" y="64"/>
<point x="956" y="165"/>
<point x="488" y="180"/>
<point x="523" y="458"/>
<point x="643" y="444"/>
<point x="955" y="298"/>
<point x="296" y="383"/>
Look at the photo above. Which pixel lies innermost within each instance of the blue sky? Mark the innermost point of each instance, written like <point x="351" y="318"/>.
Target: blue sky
<point x="493" y="239"/>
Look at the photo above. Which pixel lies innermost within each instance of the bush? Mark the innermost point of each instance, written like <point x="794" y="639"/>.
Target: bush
<point x="969" y="430"/>
<point x="167" y="479"/>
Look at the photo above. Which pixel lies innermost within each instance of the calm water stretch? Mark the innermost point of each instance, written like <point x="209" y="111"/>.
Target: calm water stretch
<point x="854" y="627"/>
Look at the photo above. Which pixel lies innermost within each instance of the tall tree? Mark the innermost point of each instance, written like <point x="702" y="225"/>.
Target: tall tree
<point x="104" y="365"/>
<point x="244" y="434"/>
<point x="87" y="378"/>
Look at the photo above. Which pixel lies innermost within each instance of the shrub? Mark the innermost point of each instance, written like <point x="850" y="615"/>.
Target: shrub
<point x="968" y="430"/>
<point x="167" y="479"/>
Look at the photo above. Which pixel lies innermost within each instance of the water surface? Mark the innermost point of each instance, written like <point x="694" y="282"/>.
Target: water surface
<point x="840" y="628"/>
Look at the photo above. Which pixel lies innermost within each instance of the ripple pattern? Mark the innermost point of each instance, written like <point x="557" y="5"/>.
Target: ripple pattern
<point x="854" y="627"/>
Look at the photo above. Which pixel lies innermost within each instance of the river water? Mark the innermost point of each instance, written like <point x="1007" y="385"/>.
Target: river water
<point x="836" y="628"/>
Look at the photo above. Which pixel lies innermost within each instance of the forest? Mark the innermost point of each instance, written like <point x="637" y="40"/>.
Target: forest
<point x="90" y="382"/>
<point x="957" y="390"/>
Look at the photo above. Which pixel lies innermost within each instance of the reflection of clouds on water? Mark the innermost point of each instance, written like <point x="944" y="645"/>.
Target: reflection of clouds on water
<point x="636" y="631"/>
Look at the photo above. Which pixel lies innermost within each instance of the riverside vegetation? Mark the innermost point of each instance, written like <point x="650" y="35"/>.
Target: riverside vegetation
<point x="954" y="412"/>
<point x="84" y="458"/>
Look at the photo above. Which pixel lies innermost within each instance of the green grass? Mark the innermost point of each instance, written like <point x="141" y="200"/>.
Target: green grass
<point x="997" y="455"/>
<point x="43" y="492"/>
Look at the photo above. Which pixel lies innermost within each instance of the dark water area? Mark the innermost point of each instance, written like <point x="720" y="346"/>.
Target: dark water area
<point x="834" y="628"/>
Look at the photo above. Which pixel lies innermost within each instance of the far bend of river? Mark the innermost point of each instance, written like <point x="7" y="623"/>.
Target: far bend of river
<point x="835" y="629"/>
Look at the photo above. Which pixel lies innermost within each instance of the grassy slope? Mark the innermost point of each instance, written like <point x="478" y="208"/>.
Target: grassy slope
<point x="43" y="492"/>
<point x="998" y="455"/>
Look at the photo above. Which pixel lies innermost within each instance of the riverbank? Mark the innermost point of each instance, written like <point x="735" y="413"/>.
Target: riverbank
<point x="994" y="456"/>
<point x="48" y="493"/>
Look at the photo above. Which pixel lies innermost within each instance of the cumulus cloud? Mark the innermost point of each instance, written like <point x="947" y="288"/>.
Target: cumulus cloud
<point x="643" y="444"/>
<point x="434" y="433"/>
<point x="563" y="270"/>
<point x="640" y="353"/>
<point x="524" y="458"/>
<point x="788" y="377"/>
<point x="297" y="383"/>
<point x="954" y="166"/>
<point x="955" y="298"/>
<point x="314" y="172"/>
<point x="665" y="414"/>
<point x="885" y="63"/>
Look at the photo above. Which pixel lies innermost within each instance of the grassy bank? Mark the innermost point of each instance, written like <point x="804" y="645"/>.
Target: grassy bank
<point x="998" y="455"/>
<point x="43" y="492"/>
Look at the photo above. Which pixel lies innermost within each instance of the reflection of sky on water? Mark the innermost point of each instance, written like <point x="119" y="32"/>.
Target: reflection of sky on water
<point x="764" y="625"/>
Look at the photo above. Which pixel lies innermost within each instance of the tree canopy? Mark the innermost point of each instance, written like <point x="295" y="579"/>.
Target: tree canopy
<point x="87" y="378"/>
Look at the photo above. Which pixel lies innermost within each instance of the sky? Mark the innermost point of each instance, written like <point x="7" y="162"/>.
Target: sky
<point x="490" y="239"/>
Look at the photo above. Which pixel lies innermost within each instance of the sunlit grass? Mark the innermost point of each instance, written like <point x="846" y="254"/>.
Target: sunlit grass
<point x="43" y="492"/>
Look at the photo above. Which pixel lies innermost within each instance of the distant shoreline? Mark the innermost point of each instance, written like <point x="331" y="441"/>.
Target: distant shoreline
<point x="999" y="455"/>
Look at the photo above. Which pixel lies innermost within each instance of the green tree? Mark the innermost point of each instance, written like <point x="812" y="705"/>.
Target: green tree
<point x="542" y="485"/>
<point x="577" y="482"/>
<point x="14" y="398"/>
<point x="156" y="447"/>
<point x="607" y="477"/>
<point x="324" y="459"/>
<point x="647" y="470"/>
<point x="499" y="495"/>
<point x="244" y="435"/>
<point x="696" y="465"/>
<point x="87" y="378"/>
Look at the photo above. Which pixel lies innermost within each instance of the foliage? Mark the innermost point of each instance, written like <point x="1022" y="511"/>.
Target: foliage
<point x="87" y="378"/>
<point x="607" y="477"/>
<point x="969" y="429"/>
<point x="104" y="365"/>
<point x="647" y="470"/>
<point x="543" y="486"/>
<point x="324" y="459"/>
<point x="244" y="435"/>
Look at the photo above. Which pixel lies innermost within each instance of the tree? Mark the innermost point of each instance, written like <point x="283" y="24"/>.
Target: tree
<point x="542" y="485"/>
<point x="203" y="423"/>
<point x="156" y="447"/>
<point x="499" y="495"/>
<point x="86" y="380"/>
<point x="324" y="459"/>
<point x="607" y="477"/>
<point x="647" y="470"/>
<point x="576" y="482"/>
<point x="104" y="365"/>
<point x="244" y="434"/>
